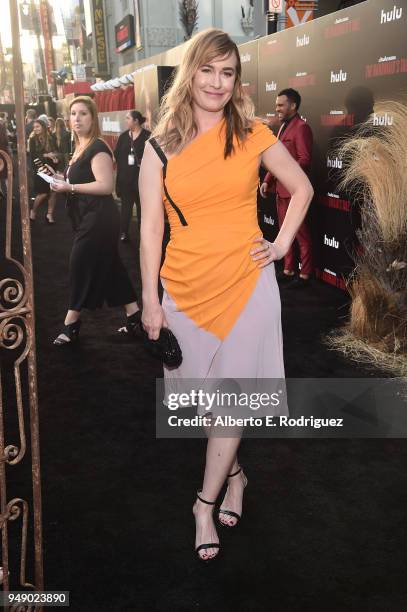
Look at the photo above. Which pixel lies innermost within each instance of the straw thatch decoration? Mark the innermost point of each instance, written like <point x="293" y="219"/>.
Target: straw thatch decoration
<point x="375" y="170"/>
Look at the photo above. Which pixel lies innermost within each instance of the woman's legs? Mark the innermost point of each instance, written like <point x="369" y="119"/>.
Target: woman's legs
<point x="133" y="320"/>
<point x="220" y="459"/>
<point x="234" y="495"/>
<point x="39" y="199"/>
<point x="131" y="308"/>
<point x="51" y="207"/>
<point x="72" y="317"/>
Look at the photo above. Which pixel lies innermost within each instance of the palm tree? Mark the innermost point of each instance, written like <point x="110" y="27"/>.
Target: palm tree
<point x="188" y="14"/>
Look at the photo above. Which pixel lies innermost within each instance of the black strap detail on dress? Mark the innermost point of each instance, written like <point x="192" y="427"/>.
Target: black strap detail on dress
<point x="164" y="160"/>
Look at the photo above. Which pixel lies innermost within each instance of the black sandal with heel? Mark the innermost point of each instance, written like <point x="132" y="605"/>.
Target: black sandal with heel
<point x="206" y="546"/>
<point x="71" y="332"/>
<point x="230" y="512"/>
<point x="133" y="325"/>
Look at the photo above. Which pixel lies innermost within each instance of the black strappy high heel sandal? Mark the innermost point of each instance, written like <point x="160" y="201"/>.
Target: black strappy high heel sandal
<point x="71" y="331"/>
<point x="206" y="546"/>
<point x="133" y="325"/>
<point x="230" y="512"/>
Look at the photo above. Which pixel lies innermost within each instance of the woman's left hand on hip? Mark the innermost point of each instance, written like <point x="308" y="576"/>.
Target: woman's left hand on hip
<point x="265" y="252"/>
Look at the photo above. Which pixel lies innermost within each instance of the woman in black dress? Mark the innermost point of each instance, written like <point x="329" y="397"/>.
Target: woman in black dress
<point x="97" y="274"/>
<point x="128" y="154"/>
<point x="42" y="146"/>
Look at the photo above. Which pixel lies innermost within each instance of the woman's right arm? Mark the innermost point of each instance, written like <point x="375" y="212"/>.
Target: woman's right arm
<point x="287" y="171"/>
<point x="151" y="239"/>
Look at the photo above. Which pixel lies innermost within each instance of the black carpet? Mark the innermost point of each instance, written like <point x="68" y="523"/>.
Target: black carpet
<point x="324" y="520"/>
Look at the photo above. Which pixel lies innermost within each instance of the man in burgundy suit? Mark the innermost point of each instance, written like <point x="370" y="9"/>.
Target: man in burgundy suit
<point x="296" y="135"/>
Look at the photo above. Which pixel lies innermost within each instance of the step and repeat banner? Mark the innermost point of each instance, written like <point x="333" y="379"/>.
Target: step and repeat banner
<point x="341" y="64"/>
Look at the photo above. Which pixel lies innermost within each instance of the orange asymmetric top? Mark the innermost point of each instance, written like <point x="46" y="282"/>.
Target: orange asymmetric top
<point x="208" y="270"/>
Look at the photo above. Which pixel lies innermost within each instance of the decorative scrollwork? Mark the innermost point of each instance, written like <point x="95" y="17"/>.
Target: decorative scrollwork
<point x="11" y="334"/>
<point x="13" y="330"/>
<point x="15" y="509"/>
<point x="12" y="294"/>
<point x="10" y="452"/>
<point x="17" y="332"/>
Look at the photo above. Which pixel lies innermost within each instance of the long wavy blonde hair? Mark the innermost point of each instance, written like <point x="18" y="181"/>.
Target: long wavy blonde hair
<point x="176" y="124"/>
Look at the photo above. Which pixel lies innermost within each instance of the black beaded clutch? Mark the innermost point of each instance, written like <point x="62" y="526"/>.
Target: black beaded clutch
<point x="166" y="348"/>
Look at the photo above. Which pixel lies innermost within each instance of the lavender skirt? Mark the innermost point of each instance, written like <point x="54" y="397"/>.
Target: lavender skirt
<point x="251" y="355"/>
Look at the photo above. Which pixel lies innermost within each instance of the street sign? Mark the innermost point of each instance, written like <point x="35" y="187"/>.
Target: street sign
<point x="99" y="38"/>
<point x="124" y="32"/>
<point x="276" y="6"/>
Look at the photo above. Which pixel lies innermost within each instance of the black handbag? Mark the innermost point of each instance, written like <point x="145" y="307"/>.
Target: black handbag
<point x="166" y="348"/>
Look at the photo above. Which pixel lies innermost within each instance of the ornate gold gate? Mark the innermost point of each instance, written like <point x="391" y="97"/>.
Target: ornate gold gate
<point x="19" y="435"/>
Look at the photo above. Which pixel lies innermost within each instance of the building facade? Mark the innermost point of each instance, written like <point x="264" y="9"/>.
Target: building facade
<point x="67" y="44"/>
<point x="160" y="27"/>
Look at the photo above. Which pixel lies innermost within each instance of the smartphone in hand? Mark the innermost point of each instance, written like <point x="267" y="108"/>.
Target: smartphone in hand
<point x="44" y="168"/>
<point x="45" y="177"/>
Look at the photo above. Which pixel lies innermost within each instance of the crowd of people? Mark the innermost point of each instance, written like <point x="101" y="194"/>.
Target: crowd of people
<point x="48" y="142"/>
<point x="200" y="166"/>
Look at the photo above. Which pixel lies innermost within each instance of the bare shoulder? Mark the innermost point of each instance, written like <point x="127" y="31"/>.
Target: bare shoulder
<point x="102" y="157"/>
<point x="151" y="157"/>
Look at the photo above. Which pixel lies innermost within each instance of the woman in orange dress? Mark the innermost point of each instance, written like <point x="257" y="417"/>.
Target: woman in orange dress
<point x="221" y="298"/>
